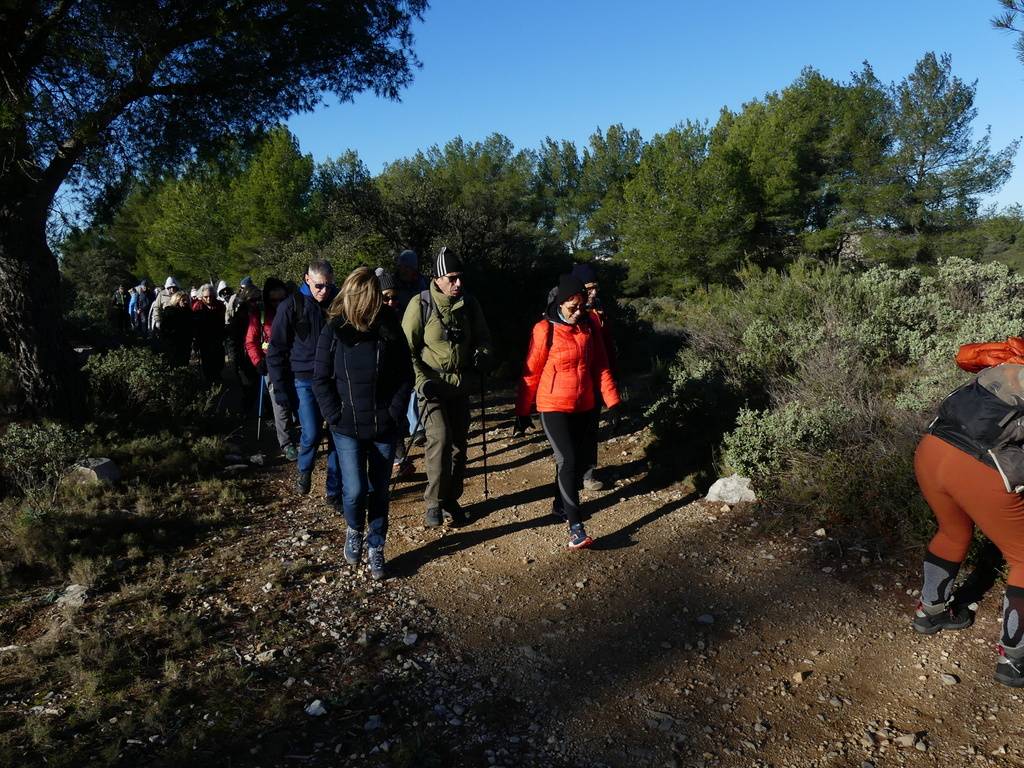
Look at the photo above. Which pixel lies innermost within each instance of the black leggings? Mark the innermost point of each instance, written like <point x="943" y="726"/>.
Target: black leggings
<point x="570" y="435"/>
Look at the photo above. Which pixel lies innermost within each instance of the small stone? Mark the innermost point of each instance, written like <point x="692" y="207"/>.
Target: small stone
<point x="820" y="533"/>
<point x="948" y="679"/>
<point x="258" y="459"/>
<point x="92" y="471"/>
<point x="801" y="676"/>
<point x="905" y="740"/>
<point x="74" y="596"/>
<point x="373" y="723"/>
<point x="315" y="709"/>
<point x="410" y="638"/>
<point x="706" y="618"/>
<point x="266" y="656"/>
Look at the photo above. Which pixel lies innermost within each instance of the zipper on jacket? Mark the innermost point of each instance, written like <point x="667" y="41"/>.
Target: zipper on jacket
<point x="351" y="397"/>
<point x="376" y="373"/>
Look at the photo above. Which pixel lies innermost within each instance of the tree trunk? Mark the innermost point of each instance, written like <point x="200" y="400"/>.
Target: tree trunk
<point x="30" y="312"/>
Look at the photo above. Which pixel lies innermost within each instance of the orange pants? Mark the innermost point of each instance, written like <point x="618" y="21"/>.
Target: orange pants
<point x="962" y="492"/>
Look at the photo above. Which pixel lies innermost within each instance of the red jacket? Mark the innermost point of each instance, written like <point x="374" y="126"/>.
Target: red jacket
<point x="254" y="338"/>
<point x="565" y="377"/>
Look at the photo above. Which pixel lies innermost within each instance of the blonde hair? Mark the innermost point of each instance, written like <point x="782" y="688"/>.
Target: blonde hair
<point x="359" y="300"/>
<point x="179" y="299"/>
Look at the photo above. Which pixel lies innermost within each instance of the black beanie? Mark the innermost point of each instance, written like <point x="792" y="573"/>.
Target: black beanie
<point x="447" y="261"/>
<point x="386" y="279"/>
<point x="568" y="285"/>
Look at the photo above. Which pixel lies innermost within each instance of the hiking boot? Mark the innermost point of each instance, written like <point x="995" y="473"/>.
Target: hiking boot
<point x="578" y="538"/>
<point x="291" y="453"/>
<point x="433" y="517"/>
<point x="929" y="619"/>
<point x="375" y="557"/>
<point x="353" y="546"/>
<point x="591" y="483"/>
<point x="454" y="514"/>
<point x="303" y="482"/>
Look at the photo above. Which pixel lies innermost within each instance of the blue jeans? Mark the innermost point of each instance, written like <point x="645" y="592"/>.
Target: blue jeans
<point x="312" y="423"/>
<point x="366" y="476"/>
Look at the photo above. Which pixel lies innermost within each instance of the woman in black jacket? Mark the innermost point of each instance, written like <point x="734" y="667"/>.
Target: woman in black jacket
<point x="362" y="378"/>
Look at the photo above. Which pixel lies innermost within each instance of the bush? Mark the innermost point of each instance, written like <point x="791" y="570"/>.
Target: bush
<point x="818" y="381"/>
<point x="34" y="458"/>
<point x="136" y="388"/>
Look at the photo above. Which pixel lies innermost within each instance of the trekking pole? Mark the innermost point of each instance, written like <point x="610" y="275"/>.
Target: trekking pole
<point x="259" y="411"/>
<point x="483" y="431"/>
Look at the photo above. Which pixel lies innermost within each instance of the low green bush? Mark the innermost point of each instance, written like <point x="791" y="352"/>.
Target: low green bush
<point x="818" y="381"/>
<point x="133" y="388"/>
<point x="33" y="458"/>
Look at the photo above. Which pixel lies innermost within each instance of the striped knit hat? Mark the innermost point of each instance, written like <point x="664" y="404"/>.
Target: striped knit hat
<point x="447" y="261"/>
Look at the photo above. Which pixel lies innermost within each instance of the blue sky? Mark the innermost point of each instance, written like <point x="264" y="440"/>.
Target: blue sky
<point x="533" y="69"/>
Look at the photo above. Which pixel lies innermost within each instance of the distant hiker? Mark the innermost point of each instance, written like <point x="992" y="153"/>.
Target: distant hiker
<point x="138" y="307"/>
<point x="208" y="332"/>
<point x="566" y="364"/>
<point x="970" y="468"/>
<point x="257" y="340"/>
<point x="409" y="283"/>
<point x="224" y="292"/>
<point x="362" y="378"/>
<point x="290" y="356"/>
<point x="403" y="464"/>
<point x="162" y="298"/>
<point x="176" y="330"/>
<point x="448" y="338"/>
<point x="232" y="303"/>
<point x="119" y="308"/>
<point x="246" y="302"/>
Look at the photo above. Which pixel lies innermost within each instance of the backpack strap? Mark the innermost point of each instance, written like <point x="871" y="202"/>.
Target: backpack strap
<point x="426" y="306"/>
<point x="299" y="320"/>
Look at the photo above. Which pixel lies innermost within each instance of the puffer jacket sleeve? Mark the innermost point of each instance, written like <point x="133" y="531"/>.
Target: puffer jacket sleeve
<point x="603" y="379"/>
<point x="253" y="334"/>
<point x="536" y="358"/>
<point x="401" y="364"/>
<point x="279" y="352"/>
<point x="323" y="378"/>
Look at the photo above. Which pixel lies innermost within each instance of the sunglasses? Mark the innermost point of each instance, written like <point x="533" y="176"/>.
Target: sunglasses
<point x="390" y="299"/>
<point x="321" y="286"/>
<point x="454" y="278"/>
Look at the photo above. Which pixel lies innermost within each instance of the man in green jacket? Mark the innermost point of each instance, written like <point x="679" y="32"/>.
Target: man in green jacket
<point x="451" y="346"/>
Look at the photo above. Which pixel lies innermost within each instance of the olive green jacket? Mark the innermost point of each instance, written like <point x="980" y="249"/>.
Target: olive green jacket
<point x="433" y="355"/>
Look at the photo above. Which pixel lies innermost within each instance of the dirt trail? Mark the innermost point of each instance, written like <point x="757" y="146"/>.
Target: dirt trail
<point x="675" y="640"/>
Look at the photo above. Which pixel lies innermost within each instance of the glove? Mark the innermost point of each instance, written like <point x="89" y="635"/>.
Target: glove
<point x="261" y="367"/>
<point x="613" y="416"/>
<point x="430" y="389"/>
<point x="522" y="424"/>
<point x="482" y="360"/>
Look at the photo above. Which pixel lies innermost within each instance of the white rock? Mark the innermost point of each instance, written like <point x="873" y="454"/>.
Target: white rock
<point x="820" y="533"/>
<point x="948" y="679"/>
<point x="315" y="709"/>
<point x="89" y="471"/>
<point x="258" y="459"/>
<point x="410" y="639"/>
<point x="731" y="490"/>
<point x="74" y="596"/>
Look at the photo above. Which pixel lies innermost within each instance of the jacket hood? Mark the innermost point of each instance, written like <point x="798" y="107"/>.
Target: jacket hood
<point x="274" y="284"/>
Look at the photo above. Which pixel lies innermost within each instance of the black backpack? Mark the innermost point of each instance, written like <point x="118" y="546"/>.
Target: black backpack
<point x="985" y="418"/>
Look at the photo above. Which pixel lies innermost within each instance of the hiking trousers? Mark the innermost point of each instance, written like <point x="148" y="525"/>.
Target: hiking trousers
<point x="571" y="436"/>
<point x="963" y="492"/>
<point x="446" y="422"/>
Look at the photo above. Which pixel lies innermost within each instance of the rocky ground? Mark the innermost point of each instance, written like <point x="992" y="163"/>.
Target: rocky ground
<point x="691" y="634"/>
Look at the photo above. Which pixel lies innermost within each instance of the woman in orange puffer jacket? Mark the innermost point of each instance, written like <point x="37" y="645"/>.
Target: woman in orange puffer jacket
<point x="565" y="365"/>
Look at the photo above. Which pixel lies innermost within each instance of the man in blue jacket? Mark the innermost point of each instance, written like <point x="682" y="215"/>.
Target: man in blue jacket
<point x="290" y="357"/>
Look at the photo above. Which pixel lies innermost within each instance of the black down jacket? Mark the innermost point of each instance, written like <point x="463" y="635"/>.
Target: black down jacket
<point x="362" y="379"/>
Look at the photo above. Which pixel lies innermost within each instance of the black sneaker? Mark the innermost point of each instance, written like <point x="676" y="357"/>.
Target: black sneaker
<point x="433" y="517"/>
<point x="454" y="514"/>
<point x="557" y="512"/>
<point x="1010" y="668"/>
<point x="303" y="482"/>
<point x="950" y="616"/>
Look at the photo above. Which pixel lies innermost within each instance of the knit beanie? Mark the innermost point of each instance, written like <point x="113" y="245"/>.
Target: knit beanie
<point x="447" y="261"/>
<point x="408" y="258"/>
<point x="170" y="282"/>
<point x="385" y="278"/>
<point x="585" y="273"/>
<point x="568" y="286"/>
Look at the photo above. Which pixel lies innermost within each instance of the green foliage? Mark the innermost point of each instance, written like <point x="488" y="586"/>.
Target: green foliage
<point x="134" y="388"/>
<point x="804" y="378"/>
<point x="35" y="457"/>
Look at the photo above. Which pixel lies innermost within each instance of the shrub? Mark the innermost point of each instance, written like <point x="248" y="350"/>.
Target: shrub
<point x="817" y="381"/>
<point x="136" y="388"/>
<point x="34" y="458"/>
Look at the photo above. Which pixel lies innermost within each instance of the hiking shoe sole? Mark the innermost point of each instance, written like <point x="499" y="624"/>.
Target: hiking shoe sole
<point x="924" y="626"/>
<point x="585" y="544"/>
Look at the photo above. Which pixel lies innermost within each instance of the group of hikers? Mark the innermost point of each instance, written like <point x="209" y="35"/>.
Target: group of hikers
<point x="393" y="354"/>
<point x="389" y="355"/>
